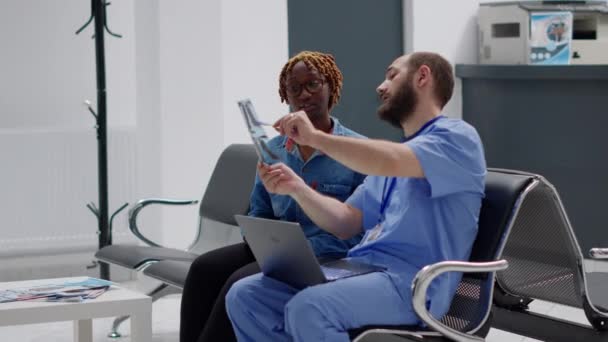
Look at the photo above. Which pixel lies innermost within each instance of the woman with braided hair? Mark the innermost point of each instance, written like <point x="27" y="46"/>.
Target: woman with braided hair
<point x="310" y="82"/>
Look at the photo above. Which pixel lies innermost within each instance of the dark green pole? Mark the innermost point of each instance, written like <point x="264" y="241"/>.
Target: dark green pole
<point x="98" y="7"/>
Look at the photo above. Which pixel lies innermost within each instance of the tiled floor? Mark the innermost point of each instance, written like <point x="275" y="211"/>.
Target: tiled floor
<point x="165" y="322"/>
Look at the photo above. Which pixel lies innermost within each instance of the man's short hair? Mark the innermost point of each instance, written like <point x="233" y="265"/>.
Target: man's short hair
<point x="442" y="72"/>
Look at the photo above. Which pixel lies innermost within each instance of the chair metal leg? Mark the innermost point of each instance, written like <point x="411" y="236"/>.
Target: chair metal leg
<point x="156" y="293"/>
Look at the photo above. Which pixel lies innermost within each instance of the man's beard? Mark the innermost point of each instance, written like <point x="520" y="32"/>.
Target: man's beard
<point x="400" y="106"/>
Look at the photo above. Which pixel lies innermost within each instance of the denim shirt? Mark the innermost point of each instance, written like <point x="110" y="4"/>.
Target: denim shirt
<point x="321" y="173"/>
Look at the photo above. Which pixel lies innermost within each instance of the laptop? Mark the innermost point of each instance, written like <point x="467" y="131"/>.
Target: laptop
<point x="283" y="253"/>
<point x="256" y="131"/>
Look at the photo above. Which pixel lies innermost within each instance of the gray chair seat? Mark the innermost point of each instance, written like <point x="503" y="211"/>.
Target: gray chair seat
<point x="172" y="272"/>
<point x="135" y="256"/>
<point x="546" y="263"/>
<point x="227" y="194"/>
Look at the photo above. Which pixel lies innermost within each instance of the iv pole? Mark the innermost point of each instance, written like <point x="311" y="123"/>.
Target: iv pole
<point x="98" y="13"/>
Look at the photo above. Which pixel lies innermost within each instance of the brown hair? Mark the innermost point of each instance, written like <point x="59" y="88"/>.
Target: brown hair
<point x="325" y="64"/>
<point x="442" y="72"/>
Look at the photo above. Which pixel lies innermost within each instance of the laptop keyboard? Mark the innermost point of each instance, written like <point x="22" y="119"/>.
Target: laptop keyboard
<point x="332" y="273"/>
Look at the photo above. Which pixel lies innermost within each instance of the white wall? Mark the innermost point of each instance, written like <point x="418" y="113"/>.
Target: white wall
<point x="447" y="27"/>
<point x="47" y="71"/>
<point x="212" y="53"/>
<point x="48" y="149"/>
<point x="254" y="49"/>
<point x="147" y="77"/>
<point x="190" y="105"/>
<point x="172" y="81"/>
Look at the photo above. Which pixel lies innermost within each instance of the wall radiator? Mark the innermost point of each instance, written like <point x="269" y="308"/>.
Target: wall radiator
<point x="46" y="178"/>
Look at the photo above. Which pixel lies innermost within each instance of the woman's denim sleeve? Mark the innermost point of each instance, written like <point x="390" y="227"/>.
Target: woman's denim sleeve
<point x="260" y="204"/>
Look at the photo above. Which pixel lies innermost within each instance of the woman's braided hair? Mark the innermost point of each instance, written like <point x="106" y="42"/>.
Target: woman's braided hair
<point x="325" y="64"/>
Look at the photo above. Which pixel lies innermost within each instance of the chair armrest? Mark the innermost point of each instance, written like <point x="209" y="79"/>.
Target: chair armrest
<point x="424" y="278"/>
<point x="134" y="211"/>
<point x="599" y="253"/>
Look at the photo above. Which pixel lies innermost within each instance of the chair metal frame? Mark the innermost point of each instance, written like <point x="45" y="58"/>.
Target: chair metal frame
<point x="163" y="289"/>
<point x="134" y="212"/>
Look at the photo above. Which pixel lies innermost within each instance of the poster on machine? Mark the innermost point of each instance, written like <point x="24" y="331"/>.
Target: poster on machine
<point x="550" y="37"/>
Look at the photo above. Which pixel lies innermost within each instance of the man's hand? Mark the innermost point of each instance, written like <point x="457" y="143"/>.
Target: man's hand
<point x="280" y="179"/>
<point x="298" y="127"/>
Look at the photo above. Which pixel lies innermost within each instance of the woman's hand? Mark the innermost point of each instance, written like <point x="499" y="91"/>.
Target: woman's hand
<point x="280" y="179"/>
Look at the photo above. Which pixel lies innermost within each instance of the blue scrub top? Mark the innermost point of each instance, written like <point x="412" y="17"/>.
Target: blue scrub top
<point x="426" y="220"/>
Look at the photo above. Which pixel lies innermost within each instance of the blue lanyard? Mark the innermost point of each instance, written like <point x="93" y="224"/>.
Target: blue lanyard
<point x="386" y="195"/>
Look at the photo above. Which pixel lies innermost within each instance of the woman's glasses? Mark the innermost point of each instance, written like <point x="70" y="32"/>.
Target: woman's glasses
<point x="312" y="87"/>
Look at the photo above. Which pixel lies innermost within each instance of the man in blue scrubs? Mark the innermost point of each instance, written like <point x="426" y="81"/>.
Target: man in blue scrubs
<point x="419" y="206"/>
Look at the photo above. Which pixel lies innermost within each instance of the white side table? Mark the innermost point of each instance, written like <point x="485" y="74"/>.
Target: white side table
<point x="113" y="303"/>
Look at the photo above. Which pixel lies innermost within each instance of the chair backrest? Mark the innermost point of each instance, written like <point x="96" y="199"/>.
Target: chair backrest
<point x="543" y="254"/>
<point x="229" y="188"/>
<point x="505" y="192"/>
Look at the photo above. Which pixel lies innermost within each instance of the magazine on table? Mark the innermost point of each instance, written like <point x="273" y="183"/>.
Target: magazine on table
<point x="61" y="291"/>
